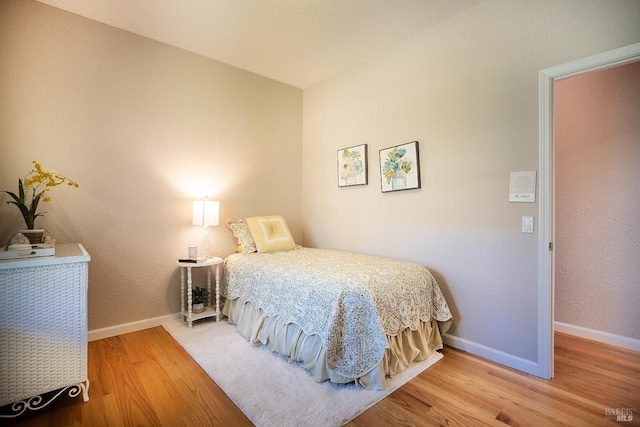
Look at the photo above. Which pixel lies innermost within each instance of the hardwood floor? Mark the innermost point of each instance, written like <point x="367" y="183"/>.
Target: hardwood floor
<point x="461" y="389"/>
<point x="146" y="379"/>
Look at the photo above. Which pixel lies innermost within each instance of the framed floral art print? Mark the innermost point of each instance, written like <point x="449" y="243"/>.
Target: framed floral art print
<point x="352" y="166"/>
<point x="400" y="167"/>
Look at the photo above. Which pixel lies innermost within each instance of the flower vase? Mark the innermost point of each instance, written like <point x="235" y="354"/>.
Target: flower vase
<point x="197" y="308"/>
<point x="35" y="235"/>
<point x="399" y="183"/>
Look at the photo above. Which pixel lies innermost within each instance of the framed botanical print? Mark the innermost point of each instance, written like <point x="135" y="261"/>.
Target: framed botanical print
<point x="400" y="167"/>
<point x="352" y="166"/>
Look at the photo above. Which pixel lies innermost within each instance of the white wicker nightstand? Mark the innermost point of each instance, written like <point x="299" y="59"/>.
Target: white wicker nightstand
<point x="43" y="328"/>
<point x="188" y="313"/>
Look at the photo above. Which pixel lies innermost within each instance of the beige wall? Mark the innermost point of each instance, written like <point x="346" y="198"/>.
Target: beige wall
<point x="597" y="162"/>
<point x="144" y="128"/>
<point x="467" y="90"/>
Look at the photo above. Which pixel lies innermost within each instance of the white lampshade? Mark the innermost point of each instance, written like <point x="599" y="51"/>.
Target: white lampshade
<point x="206" y="212"/>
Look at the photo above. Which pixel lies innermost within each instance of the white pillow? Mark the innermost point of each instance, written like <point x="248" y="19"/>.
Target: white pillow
<point x="241" y="231"/>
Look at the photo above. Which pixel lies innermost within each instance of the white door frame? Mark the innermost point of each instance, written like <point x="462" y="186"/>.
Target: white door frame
<point x="546" y="270"/>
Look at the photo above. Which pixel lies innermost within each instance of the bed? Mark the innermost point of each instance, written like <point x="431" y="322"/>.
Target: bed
<point x="343" y="316"/>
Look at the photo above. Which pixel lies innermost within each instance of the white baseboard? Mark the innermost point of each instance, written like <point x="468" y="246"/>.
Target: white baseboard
<point x="603" y="337"/>
<point x="125" y="328"/>
<point x="492" y="354"/>
<point x="489" y="353"/>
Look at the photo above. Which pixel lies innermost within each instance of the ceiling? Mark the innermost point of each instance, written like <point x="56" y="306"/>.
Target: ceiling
<point x="298" y="42"/>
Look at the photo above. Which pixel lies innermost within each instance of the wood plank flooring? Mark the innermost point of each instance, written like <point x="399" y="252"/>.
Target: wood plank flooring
<point x="146" y="379"/>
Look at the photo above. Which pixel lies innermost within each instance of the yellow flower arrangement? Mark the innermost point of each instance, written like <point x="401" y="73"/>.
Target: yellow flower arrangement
<point x="39" y="182"/>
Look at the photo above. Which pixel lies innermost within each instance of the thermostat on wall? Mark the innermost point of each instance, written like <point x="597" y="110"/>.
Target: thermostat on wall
<point x="522" y="187"/>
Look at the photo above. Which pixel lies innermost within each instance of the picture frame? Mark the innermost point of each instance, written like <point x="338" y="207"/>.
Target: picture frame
<point x="353" y="166"/>
<point x="400" y="167"/>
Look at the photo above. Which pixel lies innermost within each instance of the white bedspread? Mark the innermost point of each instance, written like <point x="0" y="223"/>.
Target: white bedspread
<point x="351" y="301"/>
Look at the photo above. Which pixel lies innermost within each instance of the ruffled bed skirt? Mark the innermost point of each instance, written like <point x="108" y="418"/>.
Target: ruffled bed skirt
<point x="289" y="340"/>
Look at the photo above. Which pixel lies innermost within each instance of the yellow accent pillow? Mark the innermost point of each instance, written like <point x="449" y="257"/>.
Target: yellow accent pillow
<point x="270" y="233"/>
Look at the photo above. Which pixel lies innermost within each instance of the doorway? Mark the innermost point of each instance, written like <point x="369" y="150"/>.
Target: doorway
<point x="546" y="270"/>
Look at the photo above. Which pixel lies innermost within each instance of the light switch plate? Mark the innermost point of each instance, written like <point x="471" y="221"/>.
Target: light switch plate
<point x="527" y="224"/>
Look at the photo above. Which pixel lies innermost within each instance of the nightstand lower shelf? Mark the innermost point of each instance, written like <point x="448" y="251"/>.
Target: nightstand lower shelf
<point x="208" y="312"/>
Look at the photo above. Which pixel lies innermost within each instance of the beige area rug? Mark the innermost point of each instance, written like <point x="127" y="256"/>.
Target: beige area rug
<point x="269" y="390"/>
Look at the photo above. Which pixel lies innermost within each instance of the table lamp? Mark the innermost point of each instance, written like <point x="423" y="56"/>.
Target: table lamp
<point x="205" y="214"/>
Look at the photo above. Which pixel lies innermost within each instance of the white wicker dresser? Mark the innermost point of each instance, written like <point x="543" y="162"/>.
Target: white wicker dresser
<point x="43" y="328"/>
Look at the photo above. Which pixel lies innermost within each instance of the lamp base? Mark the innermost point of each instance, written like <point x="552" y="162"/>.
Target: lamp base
<point x="205" y="249"/>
